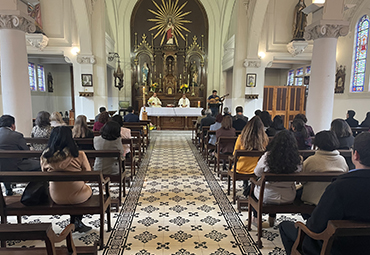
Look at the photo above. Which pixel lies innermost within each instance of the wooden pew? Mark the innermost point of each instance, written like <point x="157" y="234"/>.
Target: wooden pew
<point x="203" y="135"/>
<point x="359" y="130"/>
<point x="335" y="228"/>
<point x="296" y="207"/>
<point x="207" y="146"/>
<point x="97" y="204"/>
<point x="222" y="141"/>
<point x="42" y="231"/>
<point x="142" y="127"/>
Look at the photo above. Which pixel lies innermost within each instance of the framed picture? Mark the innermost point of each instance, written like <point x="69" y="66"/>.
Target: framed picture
<point x="251" y="79"/>
<point x="86" y="80"/>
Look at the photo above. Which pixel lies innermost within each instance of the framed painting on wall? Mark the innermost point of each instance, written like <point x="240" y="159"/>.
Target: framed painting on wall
<point x="86" y="80"/>
<point x="251" y="79"/>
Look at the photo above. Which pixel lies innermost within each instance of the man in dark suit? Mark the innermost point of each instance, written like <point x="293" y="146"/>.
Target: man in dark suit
<point x="347" y="198"/>
<point x="131" y="117"/>
<point x="207" y="121"/>
<point x="350" y="118"/>
<point x="13" y="140"/>
<point x="239" y="120"/>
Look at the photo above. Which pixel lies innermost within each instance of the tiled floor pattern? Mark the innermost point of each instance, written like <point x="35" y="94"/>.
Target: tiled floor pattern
<point x="175" y="206"/>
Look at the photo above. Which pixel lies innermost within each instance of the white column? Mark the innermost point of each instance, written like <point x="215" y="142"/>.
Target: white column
<point x="320" y="99"/>
<point x="239" y="75"/>
<point x="14" y="70"/>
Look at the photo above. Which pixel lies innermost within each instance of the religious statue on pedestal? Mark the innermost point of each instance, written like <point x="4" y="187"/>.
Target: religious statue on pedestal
<point x="300" y="21"/>
<point x="145" y="72"/>
<point x="193" y="71"/>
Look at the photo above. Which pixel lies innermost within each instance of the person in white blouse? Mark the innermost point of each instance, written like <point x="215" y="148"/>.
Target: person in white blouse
<point x="154" y="101"/>
<point x="184" y="102"/>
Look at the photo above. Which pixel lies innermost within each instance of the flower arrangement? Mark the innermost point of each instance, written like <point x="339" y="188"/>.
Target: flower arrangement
<point x="154" y="86"/>
<point x="152" y="127"/>
<point x="184" y="87"/>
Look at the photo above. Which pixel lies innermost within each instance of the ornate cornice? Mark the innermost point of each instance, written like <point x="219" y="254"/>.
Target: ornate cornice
<point x="254" y="63"/>
<point x="317" y="31"/>
<point x="86" y="59"/>
<point x="39" y="41"/>
<point x="17" y="22"/>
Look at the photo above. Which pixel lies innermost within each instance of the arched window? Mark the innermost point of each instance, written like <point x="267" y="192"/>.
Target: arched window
<point x="359" y="68"/>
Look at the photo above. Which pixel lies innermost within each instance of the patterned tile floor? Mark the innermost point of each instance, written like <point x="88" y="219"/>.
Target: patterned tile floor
<point x="175" y="206"/>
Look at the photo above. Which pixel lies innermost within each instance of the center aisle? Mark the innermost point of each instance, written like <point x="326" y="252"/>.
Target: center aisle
<point x="176" y="206"/>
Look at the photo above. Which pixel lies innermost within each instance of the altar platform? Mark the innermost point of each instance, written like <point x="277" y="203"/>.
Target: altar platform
<point x="174" y="118"/>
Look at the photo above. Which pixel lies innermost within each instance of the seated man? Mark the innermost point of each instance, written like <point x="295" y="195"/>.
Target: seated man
<point x="184" y="102"/>
<point x="207" y="121"/>
<point x="352" y="122"/>
<point x="101" y="109"/>
<point x="131" y="117"/>
<point x="13" y="140"/>
<point x="347" y="198"/>
<point x="154" y="101"/>
<point x="239" y="120"/>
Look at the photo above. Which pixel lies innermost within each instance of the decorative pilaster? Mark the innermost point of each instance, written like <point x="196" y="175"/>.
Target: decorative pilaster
<point x="326" y="30"/>
<point x="17" y="22"/>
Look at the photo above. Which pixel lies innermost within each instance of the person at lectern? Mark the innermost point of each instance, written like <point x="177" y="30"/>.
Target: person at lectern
<point x="184" y="102"/>
<point x="154" y="101"/>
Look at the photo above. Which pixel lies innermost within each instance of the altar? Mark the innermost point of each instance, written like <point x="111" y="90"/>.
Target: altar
<point x="171" y="117"/>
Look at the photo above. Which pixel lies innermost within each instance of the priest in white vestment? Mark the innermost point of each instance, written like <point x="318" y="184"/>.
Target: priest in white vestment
<point x="184" y="102"/>
<point x="154" y="101"/>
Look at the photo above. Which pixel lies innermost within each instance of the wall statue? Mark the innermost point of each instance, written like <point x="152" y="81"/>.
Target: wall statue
<point x="299" y="21"/>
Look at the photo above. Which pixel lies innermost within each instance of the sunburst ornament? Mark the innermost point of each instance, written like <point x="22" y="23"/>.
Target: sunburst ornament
<point x="169" y="21"/>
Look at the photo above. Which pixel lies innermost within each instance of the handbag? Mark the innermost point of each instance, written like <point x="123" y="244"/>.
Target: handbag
<point x="35" y="193"/>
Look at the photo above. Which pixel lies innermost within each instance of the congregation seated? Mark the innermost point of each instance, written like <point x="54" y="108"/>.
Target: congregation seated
<point x="281" y="157"/>
<point x="276" y="126"/>
<point x="42" y="129"/>
<point x="343" y="132"/>
<point x="103" y="118"/>
<point x="226" y="130"/>
<point x="352" y="122"/>
<point x="208" y="120"/>
<point x="80" y="130"/>
<point x="214" y="127"/>
<point x="125" y="133"/>
<point x="252" y="138"/>
<point x="366" y="121"/>
<point x="347" y="198"/>
<point x="101" y="109"/>
<point x="62" y="154"/>
<point x="301" y="134"/>
<point x="131" y="117"/>
<point x="56" y="120"/>
<point x="13" y="140"/>
<point x="325" y="159"/>
<point x="109" y="139"/>
<point x="266" y="119"/>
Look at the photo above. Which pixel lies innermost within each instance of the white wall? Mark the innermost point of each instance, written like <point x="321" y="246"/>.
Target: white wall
<point x="276" y="77"/>
<point x="60" y="100"/>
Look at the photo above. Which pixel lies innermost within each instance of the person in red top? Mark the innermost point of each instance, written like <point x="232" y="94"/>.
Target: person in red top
<point x="103" y="118"/>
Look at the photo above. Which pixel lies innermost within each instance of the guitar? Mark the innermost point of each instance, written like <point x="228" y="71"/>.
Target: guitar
<point x="217" y="101"/>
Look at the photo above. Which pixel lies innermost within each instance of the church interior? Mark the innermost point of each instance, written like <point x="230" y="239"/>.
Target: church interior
<point x="286" y="57"/>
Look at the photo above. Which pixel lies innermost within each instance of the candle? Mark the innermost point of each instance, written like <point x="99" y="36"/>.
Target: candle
<point x="198" y="104"/>
<point x="143" y="90"/>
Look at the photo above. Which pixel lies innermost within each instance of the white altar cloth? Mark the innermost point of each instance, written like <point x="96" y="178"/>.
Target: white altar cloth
<point x="172" y="111"/>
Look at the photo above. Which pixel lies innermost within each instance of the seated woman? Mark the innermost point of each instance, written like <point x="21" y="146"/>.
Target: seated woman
<point x="276" y="126"/>
<point x="281" y="157"/>
<point x="125" y="133"/>
<point x="103" y="118"/>
<point x="343" y="132"/>
<point x="61" y="154"/>
<point x="226" y="130"/>
<point x="80" y="130"/>
<point x="56" y="120"/>
<point x="110" y="139"/>
<point x="301" y="134"/>
<point x="253" y="137"/>
<point x="214" y="127"/>
<point x="326" y="159"/>
<point x="304" y="119"/>
<point x="42" y="129"/>
<point x="366" y="122"/>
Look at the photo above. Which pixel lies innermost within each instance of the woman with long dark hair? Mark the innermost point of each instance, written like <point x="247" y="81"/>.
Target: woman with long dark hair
<point x="42" y="129"/>
<point x="343" y="132"/>
<point x="276" y="126"/>
<point x="62" y="154"/>
<point x="301" y="134"/>
<point x="281" y="157"/>
<point x="109" y="139"/>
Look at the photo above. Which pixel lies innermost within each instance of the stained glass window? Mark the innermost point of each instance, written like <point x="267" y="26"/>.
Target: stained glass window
<point x="308" y="69"/>
<point x="299" y="71"/>
<point x="290" y="78"/>
<point x="359" y="68"/>
<point x="299" y="81"/>
<point x="32" y="76"/>
<point x="41" y="78"/>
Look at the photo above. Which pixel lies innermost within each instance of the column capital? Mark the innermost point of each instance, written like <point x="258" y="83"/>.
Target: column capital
<point x="326" y="30"/>
<point x="18" y="22"/>
<point x="86" y="59"/>
<point x="254" y="63"/>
